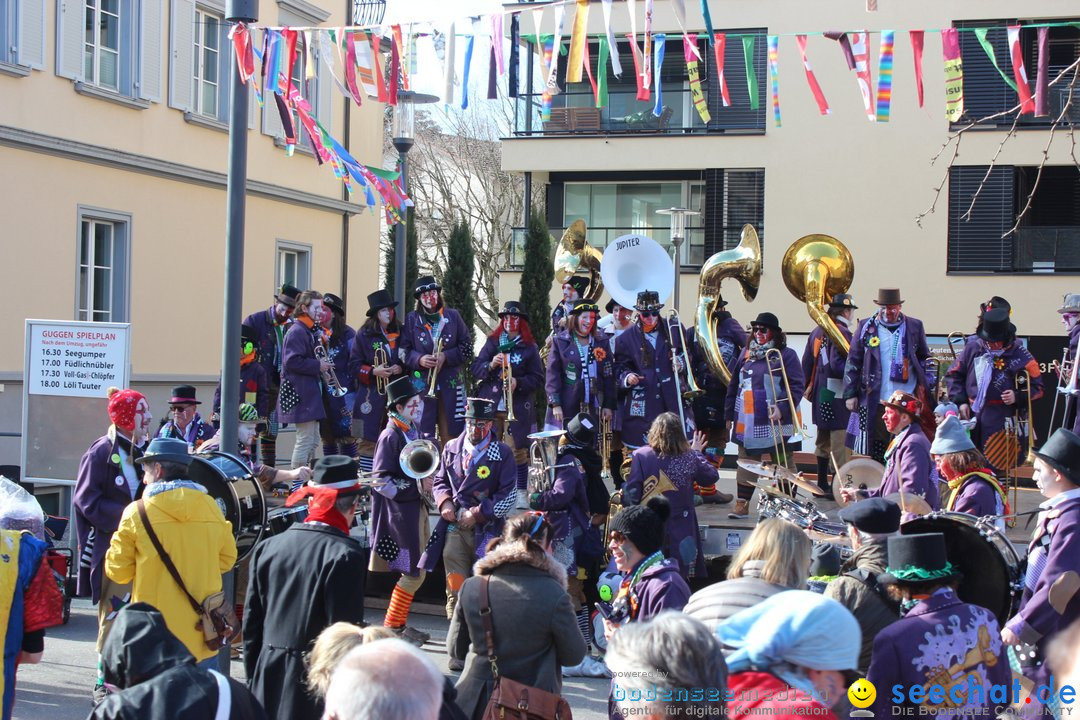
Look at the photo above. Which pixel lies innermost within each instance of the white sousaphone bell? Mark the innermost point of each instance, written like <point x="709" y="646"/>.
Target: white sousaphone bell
<point x="633" y="263"/>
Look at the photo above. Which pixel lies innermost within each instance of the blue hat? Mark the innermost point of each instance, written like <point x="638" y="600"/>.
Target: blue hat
<point x="166" y="450"/>
<point x="945" y="408"/>
<point x="874" y="515"/>
<point x="951" y="438"/>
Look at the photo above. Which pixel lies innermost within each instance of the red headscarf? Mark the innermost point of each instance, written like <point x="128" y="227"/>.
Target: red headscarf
<point x="321" y="502"/>
<point x="122" y="405"/>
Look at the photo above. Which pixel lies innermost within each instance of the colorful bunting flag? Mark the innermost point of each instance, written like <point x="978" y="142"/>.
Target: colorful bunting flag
<point x="1042" y="74"/>
<point x="811" y="79"/>
<point x="954" y="74"/>
<point x="601" y="71"/>
<point x="1023" y="90"/>
<point x="696" y="94"/>
<point x="496" y="41"/>
<point x="980" y="34"/>
<point x="448" y="66"/>
<point x="609" y="33"/>
<point x="917" y="38"/>
<point x="751" y="76"/>
<point x="470" y="43"/>
<point x="560" y="14"/>
<point x="860" y="48"/>
<point x="719" y="45"/>
<point x="395" y="70"/>
<point x="515" y="40"/>
<point x="885" y="73"/>
<point x="707" y="18"/>
<point x="658" y="62"/>
<point x="845" y="46"/>
<point x="578" y="39"/>
<point x="639" y="76"/>
<point x="647" y="66"/>
<point x="401" y="49"/>
<point x="774" y="76"/>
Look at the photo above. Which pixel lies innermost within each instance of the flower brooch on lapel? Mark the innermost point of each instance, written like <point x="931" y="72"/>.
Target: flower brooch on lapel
<point x="599" y="353"/>
<point x="999" y="363"/>
<point x="483" y="472"/>
<point x="874" y="341"/>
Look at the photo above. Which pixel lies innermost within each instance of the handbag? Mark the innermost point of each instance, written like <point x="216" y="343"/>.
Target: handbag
<point x="510" y="698"/>
<point x="217" y="618"/>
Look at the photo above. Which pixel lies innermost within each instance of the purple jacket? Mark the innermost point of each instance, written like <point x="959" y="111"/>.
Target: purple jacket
<point x="494" y="494"/>
<point x="564" y="381"/>
<point x="361" y="362"/>
<point x="661" y="587"/>
<point x="924" y="648"/>
<point x="395" y="522"/>
<point x="974" y="496"/>
<point x="907" y="468"/>
<point x="1072" y="417"/>
<point x="101" y="494"/>
<point x="655" y="394"/>
<point x="526" y="368"/>
<point x="709" y="408"/>
<point x="761" y="386"/>
<point x="268" y="351"/>
<point x="567" y="509"/>
<point x="823" y="368"/>
<point x="254" y="388"/>
<point x="416" y="341"/>
<point x="197" y="432"/>
<point x="862" y="372"/>
<point x="962" y="379"/>
<point x="300" y="399"/>
<point x="682" y="541"/>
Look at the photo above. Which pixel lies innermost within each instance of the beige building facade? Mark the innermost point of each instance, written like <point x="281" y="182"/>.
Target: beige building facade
<point x="113" y="158"/>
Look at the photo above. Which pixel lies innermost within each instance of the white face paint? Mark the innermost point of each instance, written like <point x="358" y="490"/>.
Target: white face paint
<point x="315" y="310"/>
<point x="245" y="433"/>
<point x="1045" y="479"/>
<point x="143" y="417"/>
<point x="413" y="409"/>
<point x="385" y="315"/>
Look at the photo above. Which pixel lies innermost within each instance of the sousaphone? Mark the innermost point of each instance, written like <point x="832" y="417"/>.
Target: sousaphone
<point x="633" y="263"/>
<point x="574" y="255"/>
<point x="743" y="263"/>
<point x="815" y="268"/>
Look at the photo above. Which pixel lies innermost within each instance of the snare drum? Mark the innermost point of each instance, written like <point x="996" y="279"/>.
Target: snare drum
<point x="803" y="514"/>
<point x="229" y="481"/>
<point x="278" y="520"/>
<point x="982" y="553"/>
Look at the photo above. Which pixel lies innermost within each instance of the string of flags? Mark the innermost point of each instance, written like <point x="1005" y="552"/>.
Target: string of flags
<point x="355" y="60"/>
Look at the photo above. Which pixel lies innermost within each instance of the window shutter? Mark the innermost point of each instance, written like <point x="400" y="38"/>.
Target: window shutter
<point x="739" y="116"/>
<point x="31" y="43"/>
<point x="975" y="244"/>
<point x="150" y="36"/>
<point x="69" y="38"/>
<point x="181" y="53"/>
<point x="985" y="93"/>
<point x="744" y="202"/>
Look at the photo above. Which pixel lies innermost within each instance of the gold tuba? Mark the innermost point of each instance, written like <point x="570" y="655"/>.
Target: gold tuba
<point x="743" y="263"/>
<point x="815" y="268"/>
<point x="576" y="254"/>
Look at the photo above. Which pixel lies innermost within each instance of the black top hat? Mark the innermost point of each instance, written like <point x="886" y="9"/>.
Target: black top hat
<point x="581" y="430"/>
<point x="287" y="294"/>
<point x="843" y="300"/>
<point x="580" y="283"/>
<point x="875" y="515"/>
<point x="513" y="307"/>
<point x="339" y="472"/>
<point x="184" y="395"/>
<point x="648" y="301"/>
<point x="336" y="304"/>
<point x="768" y="320"/>
<point x="610" y="307"/>
<point x="917" y="558"/>
<point x="166" y="450"/>
<point x="378" y="300"/>
<point x="888" y="296"/>
<point x="399" y="390"/>
<point x="584" y="306"/>
<point x="996" y="302"/>
<point x="996" y="326"/>
<point x="248" y="334"/>
<point x="643" y="525"/>
<point x="425" y="283"/>
<point x="1062" y="452"/>
<point x="479" y="409"/>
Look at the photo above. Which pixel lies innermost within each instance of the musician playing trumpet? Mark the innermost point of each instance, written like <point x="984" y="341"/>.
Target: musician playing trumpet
<point x="983" y="384"/>
<point x="510" y="348"/>
<point x="580" y="371"/>
<point x="300" y="400"/>
<point x="436" y="340"/>
<point x="338" y="339"/>
<point x="376" y="362"/>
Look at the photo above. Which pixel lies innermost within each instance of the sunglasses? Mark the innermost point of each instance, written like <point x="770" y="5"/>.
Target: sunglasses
<point x="617" y="537"/>
<point x="759" y="328"/>
<point x="648" y="314"/>
<point x="180" y="408"/>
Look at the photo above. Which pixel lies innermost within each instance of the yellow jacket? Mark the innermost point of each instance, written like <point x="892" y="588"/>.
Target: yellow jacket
<point x="198" y="539"/>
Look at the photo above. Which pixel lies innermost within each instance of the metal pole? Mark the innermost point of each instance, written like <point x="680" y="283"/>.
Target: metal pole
<point x="527" y="210"/>
<point x="676" y="240"/>
<point x="236" y="185"/>
<point x="400" y="241"/>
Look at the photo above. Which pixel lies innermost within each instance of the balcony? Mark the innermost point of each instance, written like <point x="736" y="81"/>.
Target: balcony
<point x="693" y="248"/>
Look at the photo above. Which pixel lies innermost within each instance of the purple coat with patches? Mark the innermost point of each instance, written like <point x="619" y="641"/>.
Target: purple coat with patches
<point x="526" y="368"/>
<point x="682" y="541"/>
<point x="907" y="468"/>
<point x="918" y="651"/>
<point x="655" y="394"/>
<point x="338" y="420"/>
<point x="301" y="383"/>
<point x="361" y="362"/>
<point x="567" y="509"/>
<point x="564" y="382"/>
<point x="99" y="502"/>
<point x="962" y="379"/>
<point x="416" y="341"/>
<point x="254" y="388"/>
<point x="495" y="494"/>
<point x="395" y="522"/>
<point x="862" y="372"/>
<point x="823" y="367"/>
<point x="757" y="372"/>
<point x="269" y="349"/>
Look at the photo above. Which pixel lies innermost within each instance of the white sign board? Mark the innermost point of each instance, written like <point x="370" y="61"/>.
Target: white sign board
<point x="76" y="359"/>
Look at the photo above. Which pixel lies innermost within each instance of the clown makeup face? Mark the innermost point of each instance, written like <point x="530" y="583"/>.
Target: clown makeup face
<point x="1069" y="320"/>
<point x="1047" y="479"/>
<point x="430" y="300"/>
<point x="143" y="417"/>
<point x="326" y="317"/>
<point x="586" y="322"/>
<point x="895" y="421"/>
<point x="649" y="320"/>
<point x="622" y="317"/>
<point x="245" y="433"/>
<point x="890" y="313"/>
<point x="315" y="310"/>
<point x="385" y="315"/>
<point x="413" y="409"/>
<point x="282" y="312"/>
<point x="994" y="345"/>
<point x="477" y="430"/>
<point x="569" y="294"/>
<point x="762" y="333"/>
<point x="512" y="325"/>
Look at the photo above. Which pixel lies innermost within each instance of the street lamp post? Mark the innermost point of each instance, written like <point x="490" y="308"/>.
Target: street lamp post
<point x="404" y="131"/>
<point x="678" y="232"/>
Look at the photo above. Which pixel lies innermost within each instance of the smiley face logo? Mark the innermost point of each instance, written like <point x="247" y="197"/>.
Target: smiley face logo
<point x="862" y="693"/>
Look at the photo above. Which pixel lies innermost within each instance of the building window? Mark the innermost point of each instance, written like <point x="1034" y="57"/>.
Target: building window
<point x="294" y="264"/>
<point x="308" y="88"/>
<point x="1047" y="238"/>
<point x="101" y="46"/>
<point x="206" y="73"/>
<point x="102" y="286"/>
<point x="7" y="31"/>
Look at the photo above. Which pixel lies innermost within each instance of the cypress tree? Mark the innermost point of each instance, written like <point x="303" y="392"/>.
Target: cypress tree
<point x="537" y="276"/>
<point x="412" y="269"/>
<point x="457" y="284"/>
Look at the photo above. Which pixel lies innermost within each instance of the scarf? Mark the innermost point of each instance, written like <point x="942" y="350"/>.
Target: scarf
<point x="321" y="508"/>
<point x="247" y="358"/>
<point x="406" y="426"/>
<point x="984" y="378"/>
<point x="626" y="601"/>
<point x="507" y="343"/>
<point x="755" y="351"/>
<point x="983" y="474"/>
<point x="898" y="363"/>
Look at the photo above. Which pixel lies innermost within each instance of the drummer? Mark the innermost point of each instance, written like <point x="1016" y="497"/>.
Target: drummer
<point x="246" y="433"/>
<point x="907" y="458"/>
<point x="975" y="490"/>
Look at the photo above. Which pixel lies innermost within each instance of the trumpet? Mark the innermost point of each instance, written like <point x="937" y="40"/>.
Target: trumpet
<point x="434" y="374"/>
<point x="508" y="396"/>
<point x="382" y="358"/>
<point x="329" y="377"/>
<point x="778" y="438"/>
<point x="606" y="438"/>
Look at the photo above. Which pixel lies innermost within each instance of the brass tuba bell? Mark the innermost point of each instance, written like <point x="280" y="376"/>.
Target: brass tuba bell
<point x="743" y="263"/>
<point x="576" y="254"/>
<point x="815" y="268"/>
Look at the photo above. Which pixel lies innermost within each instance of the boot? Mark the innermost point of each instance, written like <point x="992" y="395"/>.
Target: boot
<point x="741" y="511"/>
<point x="823" y="481"/>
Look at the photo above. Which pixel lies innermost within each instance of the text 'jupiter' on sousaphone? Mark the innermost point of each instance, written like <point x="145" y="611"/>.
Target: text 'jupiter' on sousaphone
<point x="633" y="263"/>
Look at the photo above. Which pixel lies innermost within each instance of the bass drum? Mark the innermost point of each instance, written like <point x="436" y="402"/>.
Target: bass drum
<point x="989" y="562"/>
<point x="229" y="481"/>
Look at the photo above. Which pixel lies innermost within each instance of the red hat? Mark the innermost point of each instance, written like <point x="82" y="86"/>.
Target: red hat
<point x="122" y="404"/>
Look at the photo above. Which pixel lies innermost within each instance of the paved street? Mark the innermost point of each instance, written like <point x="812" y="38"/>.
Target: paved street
<point x="59" y="687"/>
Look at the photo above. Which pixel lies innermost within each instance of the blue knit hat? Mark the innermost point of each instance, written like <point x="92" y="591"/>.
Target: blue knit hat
<point x="951" y="438"/>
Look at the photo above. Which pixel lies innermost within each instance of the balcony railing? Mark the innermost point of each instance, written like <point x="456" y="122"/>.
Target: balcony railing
<point x="693" y="247"/>
<point x="574" y="113"/>
<point x="1048" y="249"/>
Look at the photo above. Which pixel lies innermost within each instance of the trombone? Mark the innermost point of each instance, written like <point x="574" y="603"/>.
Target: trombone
<point x="776" y="426"/>
<point x="508" y="396"/>
<point x="382" y="359"/>
<point x="692" y="389"/>
<point x="1066" y="385"/>
<point x="606" y="438"/>
<point x="957" y="334"/>
<point x="434" y="373"/>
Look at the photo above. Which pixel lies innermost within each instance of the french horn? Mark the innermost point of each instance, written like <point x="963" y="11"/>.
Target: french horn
<point x="743" y="263"/>
<point x="815" y="268"/>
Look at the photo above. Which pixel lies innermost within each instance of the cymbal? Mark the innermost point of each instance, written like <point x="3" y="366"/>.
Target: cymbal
<point x="779" y="472"/>
<point x="912" y="503"/>
<point x="770" y="489"/>
<point x="818" y="536"/>
<point x="860" y="472"/>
